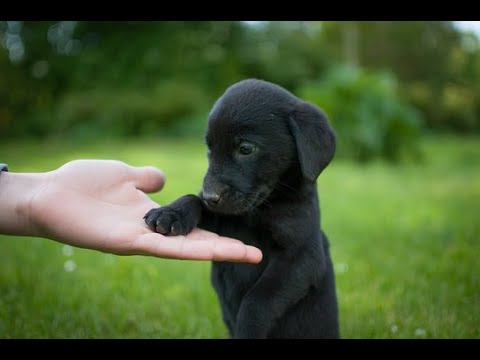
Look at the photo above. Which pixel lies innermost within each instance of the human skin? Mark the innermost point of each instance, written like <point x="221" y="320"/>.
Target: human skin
<point x="99" y="205"/>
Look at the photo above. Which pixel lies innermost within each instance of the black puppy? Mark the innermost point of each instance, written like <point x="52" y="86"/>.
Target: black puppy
<point x="266" y="149"/>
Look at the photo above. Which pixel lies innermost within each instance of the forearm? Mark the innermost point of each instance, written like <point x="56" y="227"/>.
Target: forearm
<point x="17" y="191"/>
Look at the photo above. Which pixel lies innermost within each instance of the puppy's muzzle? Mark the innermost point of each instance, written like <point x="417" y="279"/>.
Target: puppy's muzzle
<point x="213" y="191"/>
<point x="212" y="198"/>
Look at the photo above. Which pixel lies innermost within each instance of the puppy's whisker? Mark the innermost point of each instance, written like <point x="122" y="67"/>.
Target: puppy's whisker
<point x="286" y="186"/>
<point x="267" y="203"/>
<point x="255" y="198"/>
<point x="250" y="200"/>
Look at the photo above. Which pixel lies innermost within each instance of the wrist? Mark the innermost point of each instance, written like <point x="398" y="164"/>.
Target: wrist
<point x="17" y="196"/>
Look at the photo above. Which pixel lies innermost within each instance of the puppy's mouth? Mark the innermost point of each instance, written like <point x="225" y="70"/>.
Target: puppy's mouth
<point x="237" y="202"/>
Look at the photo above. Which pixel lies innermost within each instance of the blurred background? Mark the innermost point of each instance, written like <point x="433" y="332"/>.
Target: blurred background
<point x="400" y="202"/>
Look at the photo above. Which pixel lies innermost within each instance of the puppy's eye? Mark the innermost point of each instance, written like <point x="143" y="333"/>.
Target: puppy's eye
<point x="246" y="149"/>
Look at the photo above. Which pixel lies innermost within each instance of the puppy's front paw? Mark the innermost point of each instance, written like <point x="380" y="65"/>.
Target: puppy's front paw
<point x="169" y="221"/>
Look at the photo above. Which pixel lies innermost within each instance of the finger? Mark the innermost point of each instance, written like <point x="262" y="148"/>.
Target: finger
<point x="225" y="248"/>
<point x="237" y="253"/>
<point x="147" y="178"/>
<point x="252" y="254"/>
<point x="210" y="248"/>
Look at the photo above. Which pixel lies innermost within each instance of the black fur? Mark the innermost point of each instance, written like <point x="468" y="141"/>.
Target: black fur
<point x="266" y="150"/>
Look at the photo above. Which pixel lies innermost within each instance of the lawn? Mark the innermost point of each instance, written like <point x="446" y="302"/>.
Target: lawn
<point x="405" y="241"/>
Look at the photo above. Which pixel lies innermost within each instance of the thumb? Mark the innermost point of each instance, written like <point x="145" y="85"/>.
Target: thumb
<point x="147" y="178"/>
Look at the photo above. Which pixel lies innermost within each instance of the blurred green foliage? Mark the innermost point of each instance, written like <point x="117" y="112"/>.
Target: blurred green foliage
<point x="367" y="113"/>
<point x="122" y="112"/>
<point x="90" y="78"/>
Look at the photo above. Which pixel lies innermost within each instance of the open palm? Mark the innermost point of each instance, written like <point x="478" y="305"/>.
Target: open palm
<point x="100" y="204"/>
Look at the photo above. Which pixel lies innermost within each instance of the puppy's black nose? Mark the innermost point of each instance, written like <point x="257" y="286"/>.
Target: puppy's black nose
<point x="212" y="198"/>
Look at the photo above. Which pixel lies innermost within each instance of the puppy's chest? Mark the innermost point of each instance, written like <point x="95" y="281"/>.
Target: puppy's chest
<point x="233" y="280"/>
<point x="249" y="230"/>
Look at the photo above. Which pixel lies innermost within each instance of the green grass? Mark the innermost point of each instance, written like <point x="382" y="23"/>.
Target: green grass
<point x="405" y="242"/>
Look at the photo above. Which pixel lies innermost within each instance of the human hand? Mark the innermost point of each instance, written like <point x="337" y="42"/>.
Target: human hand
<point x="100" y="204"/>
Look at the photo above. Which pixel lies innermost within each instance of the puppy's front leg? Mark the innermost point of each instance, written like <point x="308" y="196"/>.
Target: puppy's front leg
<point x="283" y="284"/>
<point x="178" y="218"/>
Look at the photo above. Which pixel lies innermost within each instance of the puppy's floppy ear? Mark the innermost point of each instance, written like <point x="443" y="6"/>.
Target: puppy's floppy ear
<point x="314" y="137"/>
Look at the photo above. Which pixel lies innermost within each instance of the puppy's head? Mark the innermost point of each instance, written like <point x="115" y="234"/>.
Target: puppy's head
<point x="257" y="131"/>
